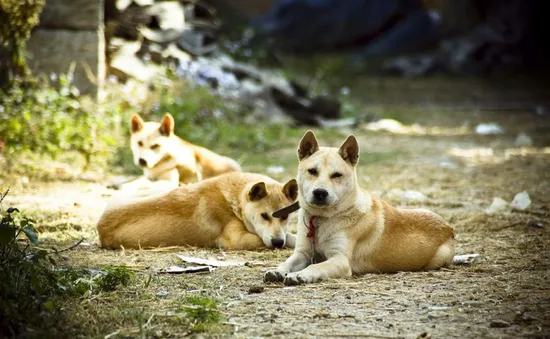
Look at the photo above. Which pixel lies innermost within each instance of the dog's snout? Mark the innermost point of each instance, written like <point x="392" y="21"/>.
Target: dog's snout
<point x="277" y="243"/>
<point x="320" y="194"/>
<point x="142" y="162"/>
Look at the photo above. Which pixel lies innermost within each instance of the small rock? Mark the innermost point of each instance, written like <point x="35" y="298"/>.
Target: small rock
<point x="489" y="128"/>
<point x="162" y="293"/>
<point x="447" y="164"/>
<point x="541" y="110"/>
<point x="521" y="201"/>
<point x="536" y="224"/>
<point x="523" y="140"/>
<point x="465" y="259"/>
<point x="275" y="169"/>
<point x="256" y="289"/>
<point x="498" y="323"/>
<point x="414" y="196"/>
<point x="387" y="125"/>
<point x="498" y="205"/>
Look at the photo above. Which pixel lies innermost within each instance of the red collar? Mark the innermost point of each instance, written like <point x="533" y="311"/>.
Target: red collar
<point x="312" y="230"/>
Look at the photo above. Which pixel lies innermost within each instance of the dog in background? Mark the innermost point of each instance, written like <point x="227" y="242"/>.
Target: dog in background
<point x="168" y="160"/>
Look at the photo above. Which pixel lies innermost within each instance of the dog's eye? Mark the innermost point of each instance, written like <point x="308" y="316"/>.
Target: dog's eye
<point x="265" y="216"/>
<point x="336" y="175"/>
<point x="312" y="171"/>
<point x="140" y="143"/>
<point x="155" y="146"/>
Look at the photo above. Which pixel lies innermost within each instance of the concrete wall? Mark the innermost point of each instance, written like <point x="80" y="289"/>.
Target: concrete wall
<point x="70" y="31"/>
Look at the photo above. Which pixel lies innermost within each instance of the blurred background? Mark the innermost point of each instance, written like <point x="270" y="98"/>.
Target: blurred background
<point x="73" y="71"/>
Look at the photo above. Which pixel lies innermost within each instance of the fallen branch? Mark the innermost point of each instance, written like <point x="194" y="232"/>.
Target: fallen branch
<point x="68" y="248"/>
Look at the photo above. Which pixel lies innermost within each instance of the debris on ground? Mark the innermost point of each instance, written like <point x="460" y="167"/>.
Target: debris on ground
<point x="497" y="206"/>
<point x="466" y="259"/>
<point x="489" y="128"/>
<point x="523" y="140"/>
<point x="536" y="224"/>
<point x="275" y="169"/>
<point x="414" y="196"/>
<point x="192" y="269"/>
<point x="162" y="293"/>
<point x="256" y="289"/>
<point x="521" y="201"/>
<point x="210" y="262"/>
<point x="498" y="323"/>
<point x="145" y="37"/>
<point x="408" y="196"/>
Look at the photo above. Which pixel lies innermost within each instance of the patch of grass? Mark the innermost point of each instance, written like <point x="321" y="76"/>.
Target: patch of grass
<point x="202" y="313"/>
<point x="34" y="291"/>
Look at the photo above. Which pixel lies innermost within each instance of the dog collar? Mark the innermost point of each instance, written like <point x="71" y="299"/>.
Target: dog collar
<point x="312" y="230"/>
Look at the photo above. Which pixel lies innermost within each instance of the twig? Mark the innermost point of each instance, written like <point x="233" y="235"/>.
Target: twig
<point x="509" y="226"/>
<point x="533" y="212"/>
<point x="351" y="335"/>
<point x="68" y="248"/>
<point x="2" y="196"/>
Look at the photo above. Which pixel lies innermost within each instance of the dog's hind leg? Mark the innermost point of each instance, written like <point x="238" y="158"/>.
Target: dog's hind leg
<point x="443" y="257"/>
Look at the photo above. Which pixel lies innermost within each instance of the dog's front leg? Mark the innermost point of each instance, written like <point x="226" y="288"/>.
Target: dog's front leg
<point x="299" y="260"/>
<point x="337" y="266"/>
<point x="236" y="237"/>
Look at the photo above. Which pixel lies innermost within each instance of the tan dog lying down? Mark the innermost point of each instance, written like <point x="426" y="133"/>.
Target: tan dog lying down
<point x="231" y="211"/>
<point x="351" y="231"/>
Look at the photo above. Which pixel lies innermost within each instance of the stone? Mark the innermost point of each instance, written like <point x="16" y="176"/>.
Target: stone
<point x="521" y="201"/>
<point x="497" y="206"/>
<point x="74" y="14"/>
<point x="256" y="289"/>
<point x="54" y="50"/>
<point x="489" y="128"/>
<point x="498" y="323"/>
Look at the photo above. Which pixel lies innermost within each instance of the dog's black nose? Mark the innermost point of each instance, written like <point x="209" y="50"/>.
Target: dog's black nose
<point x="142" y="162"/>
<point x="277" y="243"/>
<point x="320" y="194"/>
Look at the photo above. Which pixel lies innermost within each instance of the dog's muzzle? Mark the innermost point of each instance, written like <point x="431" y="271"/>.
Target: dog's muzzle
<point x="277" y="243"/>
<point x="142" y="162"/>
<point x="320" y="197"/>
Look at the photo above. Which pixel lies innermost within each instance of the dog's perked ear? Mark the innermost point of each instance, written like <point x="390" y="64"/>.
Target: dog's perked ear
<point x="291" y="189"/>
<point x="349" y="151"/>
<point x="308" y="145"/>
<point x="166" y="125"/>
<point x="136" y="123"/>
<point x="257" y="192"/>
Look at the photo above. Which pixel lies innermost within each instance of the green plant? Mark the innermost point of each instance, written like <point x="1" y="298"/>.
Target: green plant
<point x="51" y="120"/>
<point x="202" y="312"/>
<point x="114" y="277"/>
<point x="204" y="118"/>
<point x="33" y="288"/>
<point x="17" y="18"/>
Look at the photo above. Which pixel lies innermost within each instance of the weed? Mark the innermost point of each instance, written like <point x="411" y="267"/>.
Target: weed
<point x="33" y="288"/>
<point x="202" y="312"/>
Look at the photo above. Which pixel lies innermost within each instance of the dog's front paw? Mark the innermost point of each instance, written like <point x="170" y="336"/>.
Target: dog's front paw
<point x="298" y="278"/>
<point x="274" y="276"/>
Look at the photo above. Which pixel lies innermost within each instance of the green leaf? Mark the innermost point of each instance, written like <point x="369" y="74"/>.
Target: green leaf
<point x="7" y="234"/>
<point x="30" y="234"/>
<point x="12" y="210"/>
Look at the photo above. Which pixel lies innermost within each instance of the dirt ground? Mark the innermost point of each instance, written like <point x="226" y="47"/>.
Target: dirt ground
<point x="504" y="295"/>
